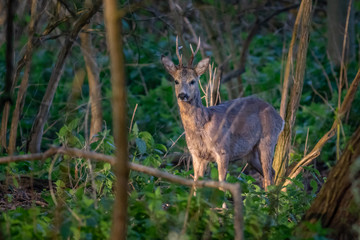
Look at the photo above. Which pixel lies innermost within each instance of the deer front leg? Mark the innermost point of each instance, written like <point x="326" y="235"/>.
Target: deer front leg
<point x="199" y="168"/>
<point x="222" y="162"/>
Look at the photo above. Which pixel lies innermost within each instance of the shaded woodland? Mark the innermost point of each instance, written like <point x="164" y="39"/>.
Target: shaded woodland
<point x="91" y="140"/>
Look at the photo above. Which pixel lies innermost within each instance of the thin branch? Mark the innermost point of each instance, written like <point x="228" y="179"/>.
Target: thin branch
<point x="322" y="98"/>
<point x="132" y="118"/>
<point x="173" y="144"/>
<point x="323" y="71"/>
<point x="183" y="231"/>
<point x="342" y="67"/>
<point x="66" y="6"/>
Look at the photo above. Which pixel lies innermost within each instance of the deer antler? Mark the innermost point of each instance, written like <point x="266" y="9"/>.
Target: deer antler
<point x="194" y="53"/>
<point x="177" y="52"/>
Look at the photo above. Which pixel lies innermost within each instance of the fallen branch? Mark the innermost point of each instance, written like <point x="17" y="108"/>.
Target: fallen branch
<point x="234" y="188"/>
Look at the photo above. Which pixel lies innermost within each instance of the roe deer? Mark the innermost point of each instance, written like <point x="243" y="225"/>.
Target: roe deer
<point x="243" y="128"/>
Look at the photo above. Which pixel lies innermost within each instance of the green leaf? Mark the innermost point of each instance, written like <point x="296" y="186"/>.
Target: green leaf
<point x="135" y="129"/>
<point x="314" y="186"/>
<point x="73" y="124"/>
<point x="161" y="147"/>
<point x="87" y="201"/>
<point x="107" y="166"/>
<point x="214" y="173"/>
<point x="147" y="138"/>
<point x="15" y="182"/>
<point x="60" y="184"/>
<point x="141" y="145"/>
<point x="63" y="131"/>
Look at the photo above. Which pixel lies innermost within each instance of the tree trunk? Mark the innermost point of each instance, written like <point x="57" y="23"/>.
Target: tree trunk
<point x="337" y="204"/>
<point x="24" y="82"/>
<point x="336" y="22"/>
<point x="281" y="157"/>
<point x="92" y="70"/>
<point x="5" y="99"/>
<point x="121" y="168"/>
<point x="37" y="129"/>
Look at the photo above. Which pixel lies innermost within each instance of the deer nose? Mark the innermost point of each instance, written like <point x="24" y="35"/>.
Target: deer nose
<point x="183" y="96"/>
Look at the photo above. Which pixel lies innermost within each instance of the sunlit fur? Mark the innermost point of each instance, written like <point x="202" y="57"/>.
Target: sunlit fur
<point x="244" y="128"/>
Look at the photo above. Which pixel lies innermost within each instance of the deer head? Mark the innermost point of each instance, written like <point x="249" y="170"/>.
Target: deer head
<point x="186" y="77"/>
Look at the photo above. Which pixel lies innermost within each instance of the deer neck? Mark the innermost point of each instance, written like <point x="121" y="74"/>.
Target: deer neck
<point x="193" y="114"/>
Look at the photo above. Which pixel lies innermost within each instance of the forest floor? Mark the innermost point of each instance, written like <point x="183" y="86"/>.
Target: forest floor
<point x="22" y="191"/>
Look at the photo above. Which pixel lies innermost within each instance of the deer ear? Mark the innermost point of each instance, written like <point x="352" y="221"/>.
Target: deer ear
<point x="202" y="66"/>
<point x="169" y="65"/>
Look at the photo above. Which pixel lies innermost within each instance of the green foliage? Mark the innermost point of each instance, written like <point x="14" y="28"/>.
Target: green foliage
<point x="158" y="209"/>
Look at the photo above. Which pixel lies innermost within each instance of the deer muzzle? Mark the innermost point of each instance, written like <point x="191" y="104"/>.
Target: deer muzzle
<point x="183" y="97"/>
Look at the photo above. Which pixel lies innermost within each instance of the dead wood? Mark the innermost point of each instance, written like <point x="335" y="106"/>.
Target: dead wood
<point x="291" y="103"/>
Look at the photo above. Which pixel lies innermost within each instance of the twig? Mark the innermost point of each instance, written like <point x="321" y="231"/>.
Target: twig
<point x="323" y="71"/>
<point x="342" y="67"/>
<point x="306" y="142"/>
<point x="143" y="81"/>
<point x="102" y="140"/>
<point x="322" y="98"/>
<point x="183" y="231"/>
<point x="132" y="118"/>
<point x="50" y="181"/>
<point x="242" y="171"/>
<point x="73" y="213"/>
<point x="93" y="184"/>
<point x="173" y="144"/>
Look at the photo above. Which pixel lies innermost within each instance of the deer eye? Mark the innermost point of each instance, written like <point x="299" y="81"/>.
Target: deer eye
<point x="176" y="82"/>
<point x="192" y="82"/>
